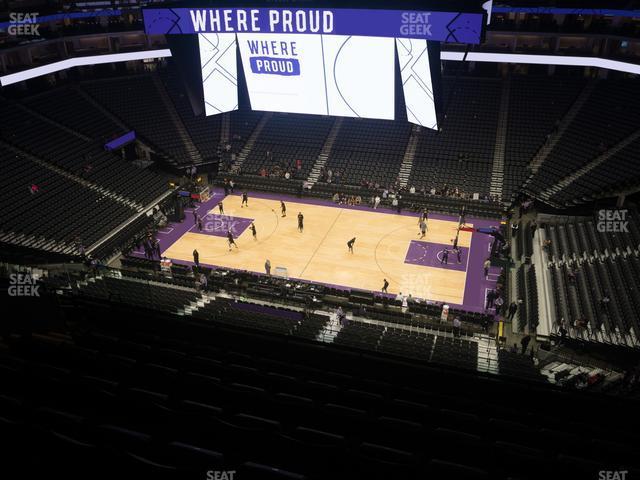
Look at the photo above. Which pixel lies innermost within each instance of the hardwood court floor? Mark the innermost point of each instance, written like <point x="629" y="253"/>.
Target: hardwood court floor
<point x="320" y="253"/>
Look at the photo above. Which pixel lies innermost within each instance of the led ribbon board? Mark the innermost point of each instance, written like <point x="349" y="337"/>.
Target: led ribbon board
<point x="437" y="26"/>
<point x="318" y="61"/>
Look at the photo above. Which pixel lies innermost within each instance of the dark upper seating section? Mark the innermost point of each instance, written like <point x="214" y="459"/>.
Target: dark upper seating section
<point x="81" y="158"/>
<point x="368" y="150"/>
<point x="611" y="113"/>
<point x="135" y="100"/>
<point x="536" y="106"/>
<point x="461" y="154"/>
<point x="204" y="131"/>
<point x="618" y="172"/>
<point x="288" y="138"/>
<point x="68" y="107"/>
<point x="61" y="211"/>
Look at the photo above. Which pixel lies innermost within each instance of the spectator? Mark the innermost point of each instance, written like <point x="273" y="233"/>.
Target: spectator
<point x="456" y="326"/>
<point x="513" y="308"/>
<point x="563" y="332"/>
<point x="491" y="296"/>
<point x="604" y="303"/>
<point x="525" y="343"/>
<point x="499" y="302"/>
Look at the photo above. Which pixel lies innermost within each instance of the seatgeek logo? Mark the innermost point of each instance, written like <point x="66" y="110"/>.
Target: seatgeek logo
<point x="614" y="221"/>
<point x="415" y="23"/>
<point x="23" y="285"/>
<point x="274" y="57"/>
<point x="23" y="24"/>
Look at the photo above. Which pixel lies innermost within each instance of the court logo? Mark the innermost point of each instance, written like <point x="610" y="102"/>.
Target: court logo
<point x="273" y="57"/>
<point x="412" y="283"/>
<point x="613" y="220"/>
<point x="23" y="285"/>
<point x="23" y="24"/>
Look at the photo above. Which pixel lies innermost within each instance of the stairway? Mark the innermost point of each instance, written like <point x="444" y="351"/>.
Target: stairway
<point x="40" y="243"/>
<point x="50" y="121"/>
<point x="330" y="330"/>
<point x="409" y="156"/>
<point x="194" y="306"/>
<point x="487" y="354"/>
<point x="497" y="171"/>
<point x="246" y="150"/>
<point x="544" y="151"/>
<point x="321" y="161"/>
<point x="192" y="151"/>
<point x="566" y="181"/>
<point x="225" y="131"/>
<point x="104" y="111"/>
<point x="85" y="183"/>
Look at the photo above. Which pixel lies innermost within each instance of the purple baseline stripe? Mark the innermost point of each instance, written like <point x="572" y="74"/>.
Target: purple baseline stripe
<point x="429" y="254"/>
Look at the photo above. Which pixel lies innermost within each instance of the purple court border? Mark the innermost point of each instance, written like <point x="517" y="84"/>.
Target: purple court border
<point x="476" y="284"/>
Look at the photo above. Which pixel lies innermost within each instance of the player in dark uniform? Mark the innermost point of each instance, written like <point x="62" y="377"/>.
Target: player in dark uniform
<point x="231" y="240"/>
<point x="350" y="244"/>
<point x="283" y="209"/>
<point x="300" y="222"/>
<point x="245" y="199"/>
<point x="221" y="208"/>
<point x="252" y="227"/>
<point x="385" y="286"/>
<point x="445" y="257"/>
<point x="458" y="254"/>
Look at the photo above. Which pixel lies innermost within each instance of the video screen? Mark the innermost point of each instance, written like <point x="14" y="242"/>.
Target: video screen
<point x="339" y="75"/>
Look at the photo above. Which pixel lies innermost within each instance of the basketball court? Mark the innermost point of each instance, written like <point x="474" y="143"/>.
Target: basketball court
<point x="388" y="245"/>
